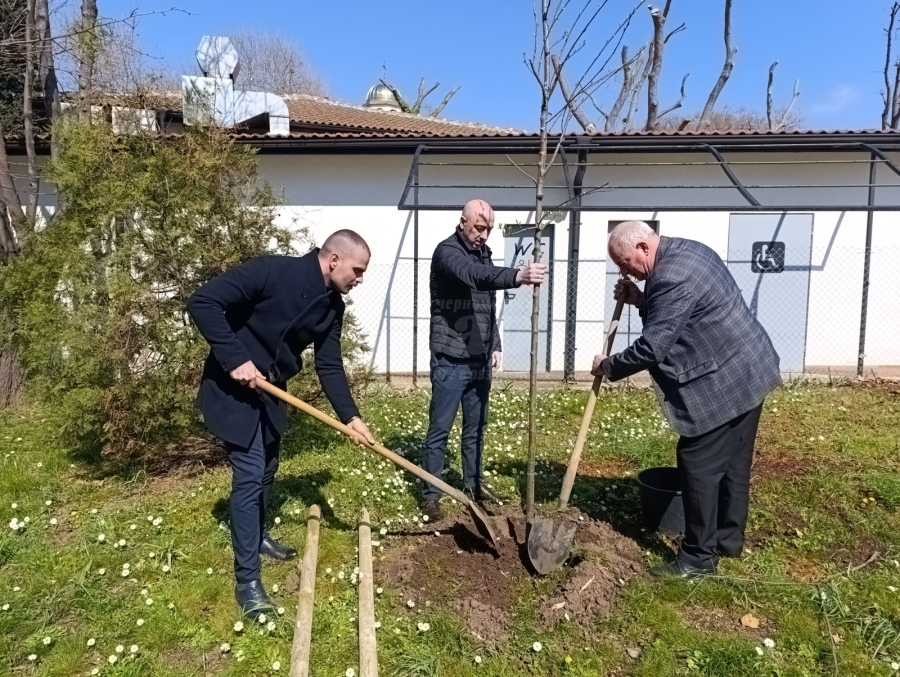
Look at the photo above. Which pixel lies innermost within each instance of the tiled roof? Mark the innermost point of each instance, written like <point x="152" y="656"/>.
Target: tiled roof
<point x="314" y="111"/>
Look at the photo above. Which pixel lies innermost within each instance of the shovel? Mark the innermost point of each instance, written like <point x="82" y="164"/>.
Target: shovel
<point x="549" y="544"/>
<point x="481" y="522"/>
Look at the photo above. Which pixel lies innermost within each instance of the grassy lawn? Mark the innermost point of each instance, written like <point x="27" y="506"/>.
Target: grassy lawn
<point x="115" y="571"/>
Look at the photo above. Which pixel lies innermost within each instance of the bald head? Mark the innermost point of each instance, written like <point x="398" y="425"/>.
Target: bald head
<point x="632" y="247"/>
<point x="476" y="223"/>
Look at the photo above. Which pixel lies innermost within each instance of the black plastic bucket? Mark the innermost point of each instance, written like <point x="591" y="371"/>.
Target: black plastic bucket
<point x="661" y="505"/>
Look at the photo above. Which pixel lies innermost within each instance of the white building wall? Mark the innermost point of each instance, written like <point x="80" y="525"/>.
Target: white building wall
<point x="325" y="193"/>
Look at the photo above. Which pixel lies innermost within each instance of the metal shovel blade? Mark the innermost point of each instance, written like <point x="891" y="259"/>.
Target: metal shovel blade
<point x="482" y="524"/>
<point x="549" y="544"/>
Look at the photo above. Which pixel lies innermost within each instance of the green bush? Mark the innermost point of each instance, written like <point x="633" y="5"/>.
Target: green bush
<point x="97" y="299"/>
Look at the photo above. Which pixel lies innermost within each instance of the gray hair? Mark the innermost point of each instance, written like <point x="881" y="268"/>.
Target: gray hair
<point x="628" y="233"/>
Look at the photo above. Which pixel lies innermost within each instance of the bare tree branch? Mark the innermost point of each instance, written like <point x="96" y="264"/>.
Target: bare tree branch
<point x="678" y="103"/>
<point x="575" y="109"/>
<point x="627" y="82"/>
<point x="528" y="176"/>
<point x="678" y="30"/>
<point x="396" y="92"/>
<point x="886" y="95"/>
<point x="423" y="94"/>
<point x="134" y="14"/>
<point x="769" y="94"/>
<point x="644" y="66"/>
<point x="730" y="51"/>
<point x="659" y="22"/>
<point x="895" y="104"/>
<point x="444" y="102"/>
<point x="787" y="111"/>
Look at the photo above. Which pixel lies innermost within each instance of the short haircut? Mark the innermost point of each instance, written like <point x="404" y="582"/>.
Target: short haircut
<point x="343" y="242"/>
<point x="628" y="233"/>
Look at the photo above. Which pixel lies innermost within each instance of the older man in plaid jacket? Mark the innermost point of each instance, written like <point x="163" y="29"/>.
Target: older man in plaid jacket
<point x="712" y="365"/>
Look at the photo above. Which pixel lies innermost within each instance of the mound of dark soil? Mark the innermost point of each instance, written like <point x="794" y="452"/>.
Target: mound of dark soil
<point x="451" y="566"/>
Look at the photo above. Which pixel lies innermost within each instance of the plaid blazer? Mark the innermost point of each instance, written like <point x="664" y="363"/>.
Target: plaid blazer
<point x="709" y="358"/>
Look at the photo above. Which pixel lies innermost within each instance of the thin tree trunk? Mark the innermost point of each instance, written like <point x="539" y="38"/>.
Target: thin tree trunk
<point x="52" y="104"/>
<point x="27" y="112"/>
<point x="659" y="22"/>
<point x="7" y="237"/>
<point x="546" y="89"/>
<point x="88" y="53"/>
<point x="10" y="194"/>
<point x="576" y="111"/>
<point x="730" y="51"/>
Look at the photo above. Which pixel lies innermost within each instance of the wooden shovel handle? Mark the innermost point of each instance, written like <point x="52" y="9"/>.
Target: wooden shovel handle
<point x="377" y="448"/>
<point x="572" y="468"/>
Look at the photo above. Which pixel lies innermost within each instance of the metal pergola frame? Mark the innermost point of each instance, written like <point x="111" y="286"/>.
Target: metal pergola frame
<point x="583" y="147"/>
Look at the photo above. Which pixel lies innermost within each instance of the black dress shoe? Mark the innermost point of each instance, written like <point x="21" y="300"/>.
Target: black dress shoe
<point x="483" y="495"/>
<point x="432" y="509"/>
<point x="272" y="548"/>
<point x="253" y="599"/>
<point x="679" y="569"/>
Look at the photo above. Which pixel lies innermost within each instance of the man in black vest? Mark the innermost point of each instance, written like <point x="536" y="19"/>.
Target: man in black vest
<point x="258" y="319"/>
<point x="465" y="345"/>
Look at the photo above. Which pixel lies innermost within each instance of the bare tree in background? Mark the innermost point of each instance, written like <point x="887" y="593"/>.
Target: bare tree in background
<point x="273" y="63"/>
<point x="890" y="115"/>
<point x="418" y="107"/>
<point x="785" y="115"/>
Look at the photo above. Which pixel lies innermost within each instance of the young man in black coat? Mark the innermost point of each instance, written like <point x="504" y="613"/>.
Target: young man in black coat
<point x="258" y="318"/>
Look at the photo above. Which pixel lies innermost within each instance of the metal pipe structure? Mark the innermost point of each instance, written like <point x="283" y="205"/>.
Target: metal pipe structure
<point x="415" y="355"/>
<point x="572" y="270"/>
<point x="867" y="264"/>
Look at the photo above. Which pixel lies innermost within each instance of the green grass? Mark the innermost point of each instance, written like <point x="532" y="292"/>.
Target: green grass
<point x="826" y="495"/>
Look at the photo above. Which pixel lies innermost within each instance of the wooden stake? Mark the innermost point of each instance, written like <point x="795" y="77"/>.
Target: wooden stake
<point x="368" y="653"/>
<point x="303" y="626"/>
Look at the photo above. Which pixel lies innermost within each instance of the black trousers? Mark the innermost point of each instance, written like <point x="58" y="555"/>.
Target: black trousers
<point x="253" y="471"/>
<point x="715" y="484"/>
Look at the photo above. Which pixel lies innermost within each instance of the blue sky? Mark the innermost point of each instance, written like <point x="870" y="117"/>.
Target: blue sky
<point x="835" y="48"/>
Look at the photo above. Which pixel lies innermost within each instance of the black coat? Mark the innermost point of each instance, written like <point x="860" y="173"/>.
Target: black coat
<point x="267" y="311"/>
<point x="463" y="299"/>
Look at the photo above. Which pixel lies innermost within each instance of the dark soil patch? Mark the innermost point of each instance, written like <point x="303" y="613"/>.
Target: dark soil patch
<point x="780" y="466"/>
<point x="604" y="468"/>
<point x="454" y="568"/>
<point x="714" y="620"/>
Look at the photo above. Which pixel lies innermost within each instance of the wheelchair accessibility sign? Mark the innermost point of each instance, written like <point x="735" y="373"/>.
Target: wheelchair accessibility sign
<point x="767" y="257"/>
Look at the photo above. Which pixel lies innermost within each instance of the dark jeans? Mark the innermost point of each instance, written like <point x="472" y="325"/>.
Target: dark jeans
<point x="715" y="484"/>
<point x="253" y="474"/>
<point x="455" y="382"/>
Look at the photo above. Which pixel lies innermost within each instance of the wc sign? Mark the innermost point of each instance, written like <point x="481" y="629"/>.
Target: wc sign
<point x="767" y="257"/>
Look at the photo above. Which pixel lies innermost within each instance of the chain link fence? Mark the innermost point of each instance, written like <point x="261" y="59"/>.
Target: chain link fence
<point x="809" y="300"/>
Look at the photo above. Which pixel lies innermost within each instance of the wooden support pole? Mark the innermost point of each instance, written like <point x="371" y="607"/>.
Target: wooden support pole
<point x="303" y="627"/>
<point x="368" y="653"/>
